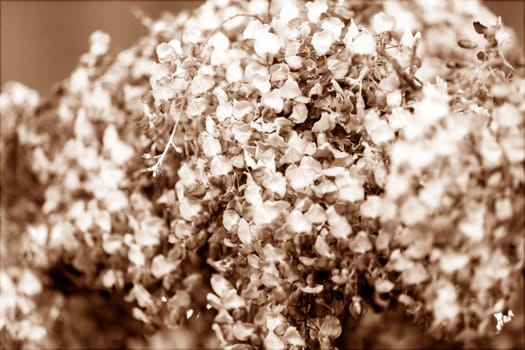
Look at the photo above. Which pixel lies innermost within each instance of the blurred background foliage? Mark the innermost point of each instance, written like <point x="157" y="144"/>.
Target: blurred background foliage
<point x="41" y="41"/>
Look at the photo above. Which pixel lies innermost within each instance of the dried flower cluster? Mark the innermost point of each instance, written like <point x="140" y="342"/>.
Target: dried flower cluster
<point x="304" y="162"/>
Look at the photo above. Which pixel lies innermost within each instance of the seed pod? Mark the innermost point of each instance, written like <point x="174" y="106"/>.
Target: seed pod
<point x="482" y="56"/>
<point x="356" y="307"/>
<point x="467" y="44"/>
<point x="479" y="28"/>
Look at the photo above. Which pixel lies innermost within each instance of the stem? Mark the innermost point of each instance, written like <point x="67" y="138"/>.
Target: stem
<point x="407" y="78"/>
<point x="156" y="168"/>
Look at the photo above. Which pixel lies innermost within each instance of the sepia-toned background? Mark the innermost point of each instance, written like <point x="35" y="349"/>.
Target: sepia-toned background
<point x="41" y="41"/>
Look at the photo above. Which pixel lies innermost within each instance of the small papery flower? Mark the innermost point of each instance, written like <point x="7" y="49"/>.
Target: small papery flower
<point x="360" y="244"/>
<point x="371" y="208"/>
<point x="504" y="209"/>
<point x="230" y="218"/>
<point x="221" y="166"/>
<point x="99" y="43"/>
<point x="394" y="98"/>
<point x="349" y="188"/>
<point x="508" y="116"/>
<point x="38" y="234"/>
<point x="315" y="10"/>
<point x="415" y="275"/>
<point x="383" y="23"/>
<point x="273" y="320"/>
<point x="445" y="304"/>
<point x="383" y="286"/>
<point x="331" y="327"/>
<point x="276" y="183"/>
<point x="268" y="211"/>
<point x="210" y="145"/>
<point x="293" y="60"/>
<point x="432" y="193"/>
<point x="242" y="108"/>
<point x="316" y="214"/>
<point x="451" y="262"/>
<point x="513" y="145"/>
<point x="192" y="35"/>
<point x="339" y="226"/>
<point x="399" y="262"/>
<point x="326" y="123"/>
<point x="432" y="107"/>
<point x="322" y="248"/>
<point x="233" y="301"/>
<point x="201" y="84"/>
<point x="299" y="113"/>
<point x="316" y="289"/>
<point x="273" y="100"/>
<point x="234" y="72"/>
<point x="243" y="331"/>
<point x="317" y="89"/>
<point x="244" y="232"/>
<point x="338" y="68"/>
<point x="251" y="28"/>
<point x="279" y="72"/>
<point x="266" y="43"/>
<point x="119" y="152"/>
<point x="490" y="150"/>
<point x="322" y="42"/>
<point x="292" y="337"/>
<point x="351" y="33"/>
<point x="272" y="341"/>
<point x="412" y="211"/>
<point x="363" y="44"/>
<point x="290" y="89"/>
<point x="261" y="83"/>
<point x="242" y="132"/>
<point x="408" y="39"/>
<point x="297" y="223"/>
<point x="303" y="176"/>
<point x="220" y="41"/>
<point x="288" y="12"/>
<point x="502" y="36"/>
<point x="220" y="285"/>
<point x="252" y="193"/>
<point x="161" y="267"/>
<point x="111" y="244"/>
<point x="29" y="283"/>
<point x="175" y="43"/>
<point x="196" y="107"/>
<point x="136" y="256"/>
<point x="472" y="225"/>
<point x="166" y="53"/>
<point x="189" y="209"/>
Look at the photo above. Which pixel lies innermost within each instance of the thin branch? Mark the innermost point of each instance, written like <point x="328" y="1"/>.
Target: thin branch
<point x="407" y="78"/>
<point x="212" y="33"/>
<point x="156" y="167"/>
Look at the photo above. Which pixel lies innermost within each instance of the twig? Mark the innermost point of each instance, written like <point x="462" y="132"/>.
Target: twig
<point x="212" y="33"/>
<point x="407" y="78"/>
<point x="156" y="167"/>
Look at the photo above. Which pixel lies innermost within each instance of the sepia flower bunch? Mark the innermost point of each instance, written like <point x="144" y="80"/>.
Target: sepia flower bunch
<point x="306" y="167"/>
